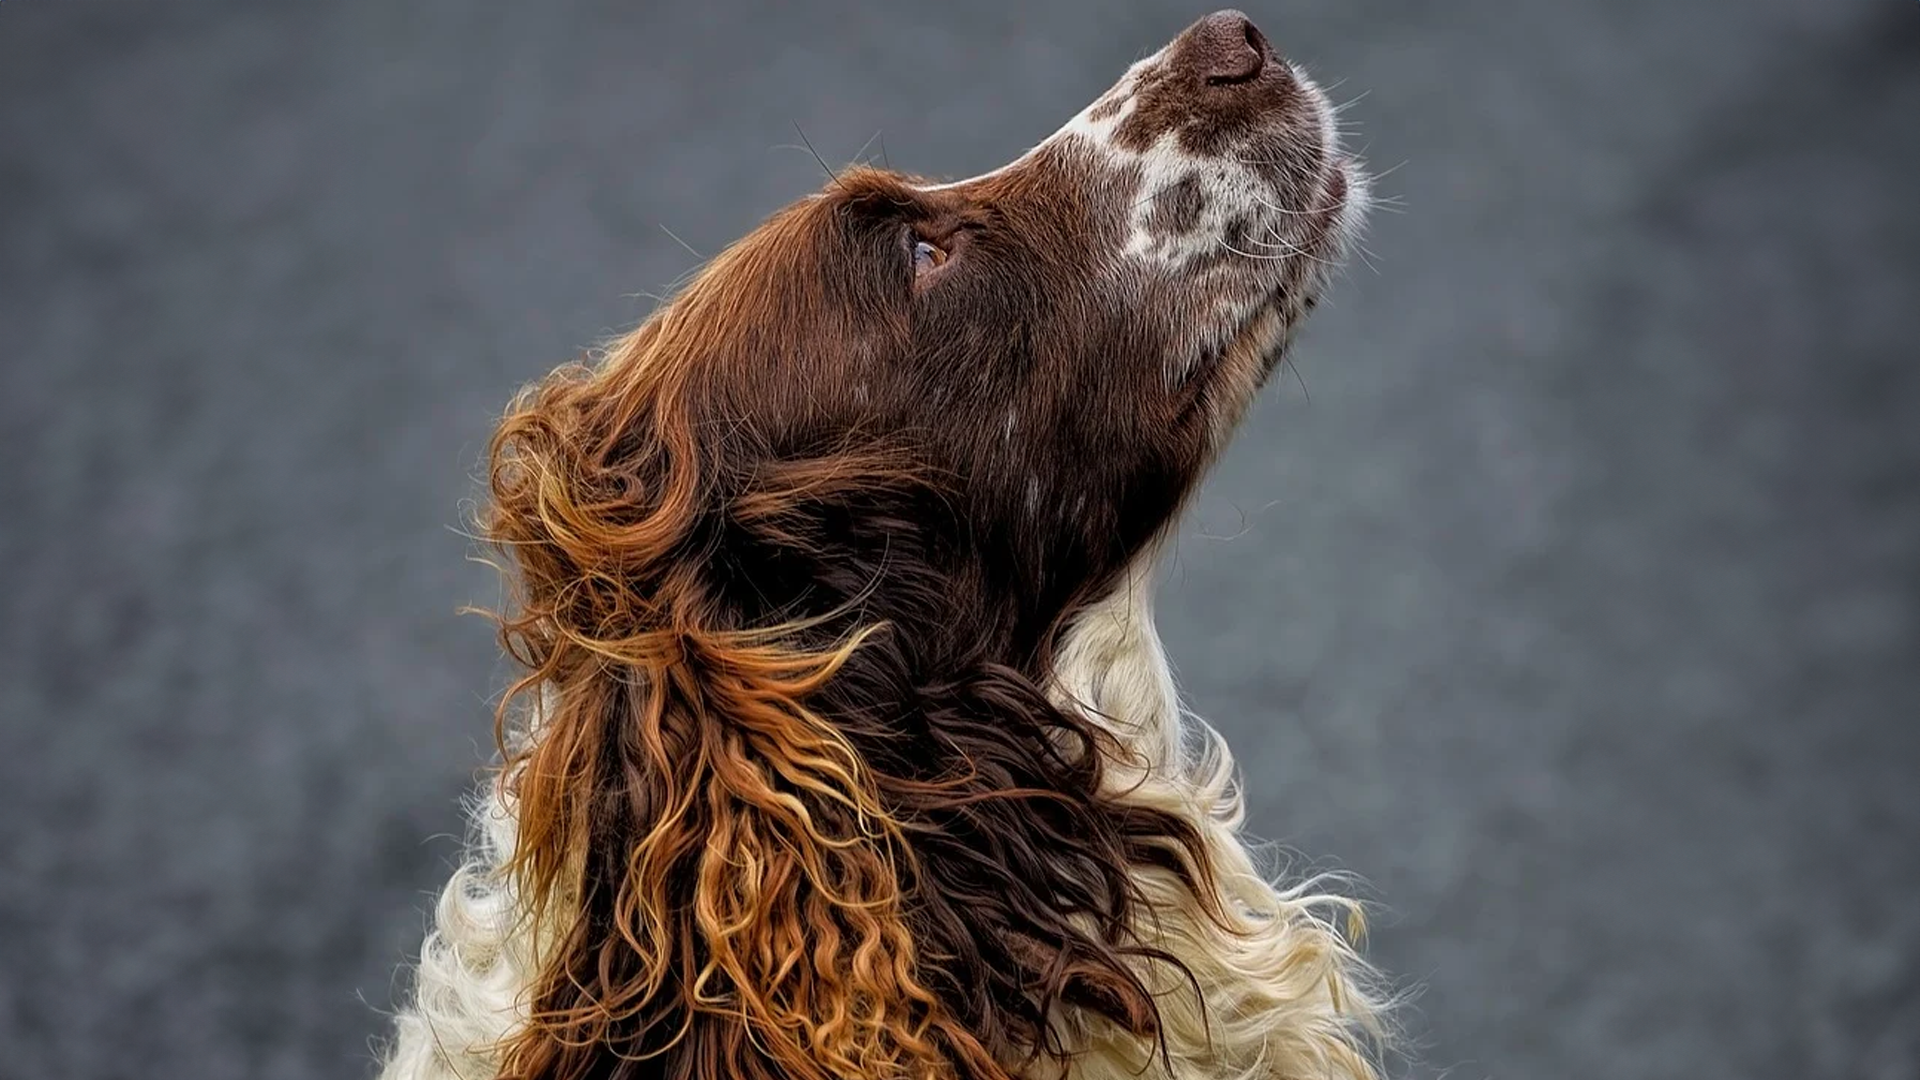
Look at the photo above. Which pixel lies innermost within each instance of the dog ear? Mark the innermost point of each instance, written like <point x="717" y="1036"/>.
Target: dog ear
<point x="712" y="875"/>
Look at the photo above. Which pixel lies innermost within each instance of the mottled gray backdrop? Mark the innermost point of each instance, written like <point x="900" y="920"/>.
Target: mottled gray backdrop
<point x="1576" y="608"/>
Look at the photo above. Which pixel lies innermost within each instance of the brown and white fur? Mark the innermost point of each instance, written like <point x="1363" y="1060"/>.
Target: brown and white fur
<point x="849" y="749"/>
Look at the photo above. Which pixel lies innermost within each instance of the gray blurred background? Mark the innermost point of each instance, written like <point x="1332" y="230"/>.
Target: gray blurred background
<point x="1577" y="609"/>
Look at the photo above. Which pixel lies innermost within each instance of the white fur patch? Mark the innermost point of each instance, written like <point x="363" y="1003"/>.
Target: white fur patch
<point x="470" y="986"/>
<point x="1281" y="992"/>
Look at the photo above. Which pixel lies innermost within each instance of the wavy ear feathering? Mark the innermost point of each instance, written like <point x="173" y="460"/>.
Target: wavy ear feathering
<point x="725" y="872"/>
<point x="844" y="747"/>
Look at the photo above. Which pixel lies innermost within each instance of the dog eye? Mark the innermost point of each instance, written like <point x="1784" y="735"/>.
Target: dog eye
<point x="927" y="256"/>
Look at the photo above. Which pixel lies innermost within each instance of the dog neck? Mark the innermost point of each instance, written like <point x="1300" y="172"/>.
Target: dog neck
<point x="1111" y="664"/>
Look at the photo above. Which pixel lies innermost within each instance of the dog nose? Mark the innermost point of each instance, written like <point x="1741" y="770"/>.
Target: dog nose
<point x="1225" y="48"/>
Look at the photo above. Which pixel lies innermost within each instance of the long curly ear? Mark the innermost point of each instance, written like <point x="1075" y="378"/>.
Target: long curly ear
<point x="714" y="878"/>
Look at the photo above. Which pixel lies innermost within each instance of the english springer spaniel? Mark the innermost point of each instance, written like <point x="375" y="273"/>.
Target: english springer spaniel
<point x="845" y="748"/>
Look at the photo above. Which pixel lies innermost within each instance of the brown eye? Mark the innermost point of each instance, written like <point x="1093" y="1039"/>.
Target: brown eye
<point x="927" y="256"/>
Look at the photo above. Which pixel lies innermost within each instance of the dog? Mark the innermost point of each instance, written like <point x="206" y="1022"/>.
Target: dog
<point x="845" y="747"/>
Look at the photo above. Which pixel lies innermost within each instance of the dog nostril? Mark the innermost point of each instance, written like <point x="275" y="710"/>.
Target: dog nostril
<point x="1229" y="49"/>
<point x="1258" y="42"/>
